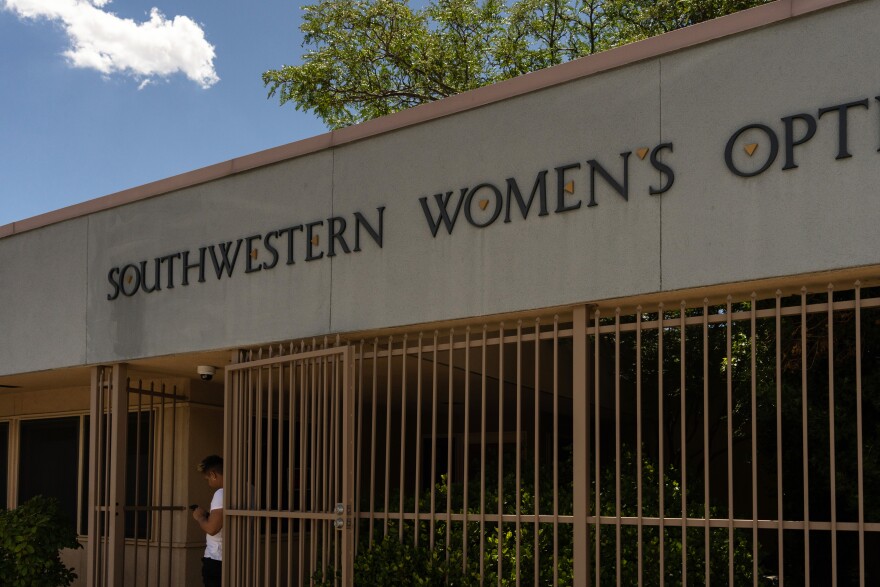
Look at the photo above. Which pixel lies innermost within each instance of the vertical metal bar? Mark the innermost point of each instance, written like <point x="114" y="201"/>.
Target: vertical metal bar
<point x="268" y="456"/>
<point x="639" y="509"/>
<point x="403" y="406"/>
<point x="242" y="448"/>
<point x="256" y="459"/>
<point x="171" y="512"/>
<point x="336" y="455"/>
<point x="779" y="510"/>
<point x="661" y="471"/>
<point x="831" y="439"/>
<point x="244" y="384"/>
<point x="580" y="445"/>
<point x="754" y="419"/>
<point x="707" y="515"/>
<point x="537" y="452"/>
<point x="804" y="417"/>
<point x="729" y="370"/>
<point x="518" y="444"/>
<point x="583" y="573"/>
<point x="449" y="417"/>
<point x="235" y="414"/>
<point x="433" y="436"/>
<point x="291" y="463"/>
<point x="279" y="471"/>
<point x="137" y="480"/>
<point x="231" y="442"/>
<point x="317" y="502"/>
<point x="859" y="459"/>
<point x="683" y="419"/>
<point x="305" y="424"/>
<point x="418" y="522"/>
<point x="313" y="475"/>
<point x="348" y="405"/>
<point x="373" y="438"/>
<point x="483" y="369"/>
<point x="617" y="442"/>
<point x="160" y="551"/>
<point x="150" y="494"/>
<point x="229" y="432"/>
<point x="80" y="470"/>
<point x="318" y="464"/>
<point x="325" y="427"/>
<point x="359" y="399"/>
<point x="597" y="405"/>
<point x="466" y="448"/>
<point x="330" y="423"/>
<point x="388" y="434"/>
<point x="106" y="435"/>
<point x="500" y="449"/>
<point x="96" y="400"/>
<point x="265" y="453"/>
<point x="118" y="454"/>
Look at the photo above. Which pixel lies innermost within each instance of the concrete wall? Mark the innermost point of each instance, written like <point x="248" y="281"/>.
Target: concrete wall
<point x="710" y="227"/>
<point x="43" y="284"/>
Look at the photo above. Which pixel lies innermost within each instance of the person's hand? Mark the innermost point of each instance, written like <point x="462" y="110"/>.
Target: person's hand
<point x="199" y="514"/>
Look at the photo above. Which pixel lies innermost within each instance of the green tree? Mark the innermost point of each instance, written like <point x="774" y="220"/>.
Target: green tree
<point x="369" y="58"/>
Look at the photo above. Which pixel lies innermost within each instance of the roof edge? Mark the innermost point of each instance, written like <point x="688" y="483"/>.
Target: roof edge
<point x="738" y="22"/>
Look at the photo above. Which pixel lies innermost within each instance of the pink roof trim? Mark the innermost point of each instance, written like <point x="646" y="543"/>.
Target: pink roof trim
<point x="739" y="22"/>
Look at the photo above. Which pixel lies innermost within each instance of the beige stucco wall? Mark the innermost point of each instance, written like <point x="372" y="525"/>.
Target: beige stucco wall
<point x="711" y="227"/>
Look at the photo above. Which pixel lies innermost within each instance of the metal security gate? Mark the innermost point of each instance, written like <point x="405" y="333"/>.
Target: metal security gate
<point x="734" y="438"/>
<point x="723" y="437"/>
<point x="289" y="445"/>
<point x="133" y="522"/>
<point x="465" y="447"/>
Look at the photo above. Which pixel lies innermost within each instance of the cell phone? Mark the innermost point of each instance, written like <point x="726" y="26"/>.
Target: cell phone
<point x="193" y="507"/>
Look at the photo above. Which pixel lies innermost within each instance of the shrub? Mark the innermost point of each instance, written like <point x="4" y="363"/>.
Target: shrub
<point x="31" y="537"/>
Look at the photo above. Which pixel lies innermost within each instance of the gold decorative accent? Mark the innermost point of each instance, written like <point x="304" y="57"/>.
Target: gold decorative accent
<point x="254" y="254"/>
<point x="642" y="152"/>
<point x="569" y="187"/>
<point x="751" y="148"/>
<point x="483" y="204"/>
<point x="315" y="240"/>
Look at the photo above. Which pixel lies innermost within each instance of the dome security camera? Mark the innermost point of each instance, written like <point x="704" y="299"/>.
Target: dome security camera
<point x="206" y="372"/>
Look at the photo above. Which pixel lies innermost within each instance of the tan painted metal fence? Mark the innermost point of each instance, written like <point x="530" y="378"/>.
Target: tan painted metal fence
<point x="727" y="440"/>
<point x="289" y="465"/>
<point x="133" y="520"/>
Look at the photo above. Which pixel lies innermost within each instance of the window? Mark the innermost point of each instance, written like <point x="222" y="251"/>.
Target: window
<point x="49" y="461"/>
<point x="54" y="462"/>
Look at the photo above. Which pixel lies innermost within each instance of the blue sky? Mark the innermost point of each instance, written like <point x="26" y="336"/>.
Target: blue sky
<point x="98" y="96"/>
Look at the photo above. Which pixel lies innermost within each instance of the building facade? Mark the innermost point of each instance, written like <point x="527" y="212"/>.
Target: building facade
<point x="613" y="322"/>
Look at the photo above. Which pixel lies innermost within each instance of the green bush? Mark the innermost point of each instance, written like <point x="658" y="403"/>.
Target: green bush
<point x="31" y="537"/>
<point x="524" y="560"/>
<point x="391" y="562"/>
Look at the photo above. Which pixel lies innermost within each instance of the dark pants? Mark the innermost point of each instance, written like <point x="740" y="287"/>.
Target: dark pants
<point x="212" y="572"/>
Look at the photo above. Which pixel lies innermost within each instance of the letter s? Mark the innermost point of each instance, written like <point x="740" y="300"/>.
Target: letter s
<point x="663" y="169"/>
<point x="114" y="283"/>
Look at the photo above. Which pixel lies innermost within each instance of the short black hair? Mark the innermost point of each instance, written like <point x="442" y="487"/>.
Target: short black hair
<point x="212" y="463"/>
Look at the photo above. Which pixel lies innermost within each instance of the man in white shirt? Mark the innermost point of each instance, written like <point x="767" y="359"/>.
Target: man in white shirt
<point x="211" y="522"/>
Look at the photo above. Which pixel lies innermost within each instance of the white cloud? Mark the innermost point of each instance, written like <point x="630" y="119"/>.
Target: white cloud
<point x="100" y="40"/>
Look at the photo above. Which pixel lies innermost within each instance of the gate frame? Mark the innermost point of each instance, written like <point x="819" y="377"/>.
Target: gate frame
<point x="234" y="383"/>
